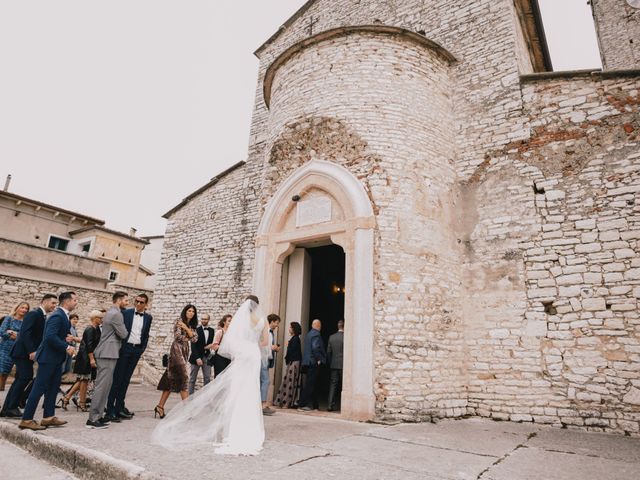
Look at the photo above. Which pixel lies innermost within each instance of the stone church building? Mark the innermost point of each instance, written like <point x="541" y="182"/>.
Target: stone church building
<point x="417" y="168"/>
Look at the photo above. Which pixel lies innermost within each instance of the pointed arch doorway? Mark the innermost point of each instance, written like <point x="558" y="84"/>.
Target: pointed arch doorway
<point x="322" y="205"/>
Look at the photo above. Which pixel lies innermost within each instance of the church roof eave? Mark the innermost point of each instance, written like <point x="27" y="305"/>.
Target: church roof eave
<point x="211" y="183"/>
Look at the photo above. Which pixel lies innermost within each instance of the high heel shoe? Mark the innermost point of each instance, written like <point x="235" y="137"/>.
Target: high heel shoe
<point x="158" y="411"/>
<point x="63" y="402"/>
<point x="81" y="407"/>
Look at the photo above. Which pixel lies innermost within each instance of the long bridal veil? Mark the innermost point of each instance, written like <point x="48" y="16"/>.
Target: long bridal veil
<point x="227" y="412"/>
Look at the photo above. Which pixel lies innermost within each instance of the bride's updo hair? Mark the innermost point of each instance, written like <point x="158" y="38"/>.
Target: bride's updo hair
<point x="255" y="300"/>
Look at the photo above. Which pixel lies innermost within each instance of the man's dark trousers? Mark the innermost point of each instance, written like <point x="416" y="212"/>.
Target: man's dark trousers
<point x="308" y="396"/>
<point x="47" y="383"/>
<point x="125" y="367"/>
<point x="24" y="375"/>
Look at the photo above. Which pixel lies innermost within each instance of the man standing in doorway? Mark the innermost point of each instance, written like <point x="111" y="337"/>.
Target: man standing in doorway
<point x="138" y="323"/>
<point x="274" y="321"/>
<point x="200" y="353"/>
<point x="313" y="357"/>
<point x="334" y="360"/>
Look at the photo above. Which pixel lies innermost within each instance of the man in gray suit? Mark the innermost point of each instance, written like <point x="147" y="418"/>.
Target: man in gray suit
<point x="334" y="354"/>
<point x="106" y="355"/>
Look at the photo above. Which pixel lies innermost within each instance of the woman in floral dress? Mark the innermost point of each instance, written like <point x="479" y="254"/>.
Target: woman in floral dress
<point x="176" y="377"/>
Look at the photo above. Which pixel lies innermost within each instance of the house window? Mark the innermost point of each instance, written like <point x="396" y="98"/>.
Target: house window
<point x="86" y="247"/>
<point x="58" y="243"/>
<point x="113" y="276"/>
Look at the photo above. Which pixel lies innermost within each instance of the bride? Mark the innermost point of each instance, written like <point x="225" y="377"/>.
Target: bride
<point x="227" y="412"/>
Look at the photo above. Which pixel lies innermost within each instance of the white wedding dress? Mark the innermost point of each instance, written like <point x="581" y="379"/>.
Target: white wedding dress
<point x="227" y="412"/>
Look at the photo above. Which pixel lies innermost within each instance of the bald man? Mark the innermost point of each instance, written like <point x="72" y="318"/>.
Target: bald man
<point x="313" y="357"/>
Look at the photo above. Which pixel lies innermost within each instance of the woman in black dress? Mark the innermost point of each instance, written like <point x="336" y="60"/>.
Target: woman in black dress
<point x="85" y="366"/>
<point x="290" y="387"/>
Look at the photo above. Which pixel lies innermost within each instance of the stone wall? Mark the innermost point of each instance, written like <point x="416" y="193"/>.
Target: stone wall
<point x="618" y="29"/>
<point x="552" y="260"/>
<point x="16" y="289"/>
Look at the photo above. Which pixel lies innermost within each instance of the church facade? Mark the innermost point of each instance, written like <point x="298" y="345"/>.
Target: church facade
<point x="418" y="169"/>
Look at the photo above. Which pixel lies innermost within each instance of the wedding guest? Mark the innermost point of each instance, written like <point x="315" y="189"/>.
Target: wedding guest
<point x="24" y="353"/>
<point x="220" y="362"/>
<point x="273" y="349"/>
<point x="85" y="366"/>
<point x="334" y="360"/>
<point x="290" y="387"/>
<point x="313" y="357"/>
<point x="106" y="355"/>
<point x="50" y="355"/>
<point x="176" y="377"/>
<point x="200" y="353"/>
<point x="138" y="323"/>
<point x="9" y="329"/>
<point x="74" y="319"/>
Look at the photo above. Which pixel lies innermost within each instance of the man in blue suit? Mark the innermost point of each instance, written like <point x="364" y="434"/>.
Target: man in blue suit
<point x="51" y="353"/>
<point x="24" y="353"/>
<point x="138" y="324"/>
<point x="313" y="357"/>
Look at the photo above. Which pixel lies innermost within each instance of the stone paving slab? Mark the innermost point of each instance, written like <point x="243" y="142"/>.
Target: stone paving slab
<point x="539" y="464"/>
<point x="476" y="436"/>
<point x="325" y="446"/>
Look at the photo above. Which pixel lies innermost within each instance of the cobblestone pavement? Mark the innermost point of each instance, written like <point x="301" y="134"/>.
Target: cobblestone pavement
<point x="321" y="446"/>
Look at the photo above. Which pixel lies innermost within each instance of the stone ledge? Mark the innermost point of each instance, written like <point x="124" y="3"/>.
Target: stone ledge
<point x="79" y="461"/>
<point x="570" y="74"/>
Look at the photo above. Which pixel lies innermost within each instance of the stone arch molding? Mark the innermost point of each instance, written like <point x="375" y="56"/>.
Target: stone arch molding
<point x="355" y="234"/>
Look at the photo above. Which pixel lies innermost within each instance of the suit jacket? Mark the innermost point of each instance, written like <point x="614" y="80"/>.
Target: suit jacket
<point x="53" y="348"/>
<point x="272" y="361"/>
<point x="146" y="326"/>
<point x="30" y="335"/>
<point x="313" y="349"/>
<point x="197" y="349"/>
<point x="335" y="350"/>
<point x="113" y="333"/>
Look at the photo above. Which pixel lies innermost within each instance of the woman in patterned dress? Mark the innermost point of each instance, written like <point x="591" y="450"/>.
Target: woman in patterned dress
<point x="176" y="377"/>
<point x="8" y="333"/>
<point x="290" y="387"/>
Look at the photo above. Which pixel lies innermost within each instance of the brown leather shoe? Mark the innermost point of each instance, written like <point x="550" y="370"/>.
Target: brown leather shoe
<point x="30" y="425"/>
<point x="52" y="422"/>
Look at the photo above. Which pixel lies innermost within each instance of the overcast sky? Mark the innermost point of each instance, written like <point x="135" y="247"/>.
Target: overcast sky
<point x="120" y="109"/>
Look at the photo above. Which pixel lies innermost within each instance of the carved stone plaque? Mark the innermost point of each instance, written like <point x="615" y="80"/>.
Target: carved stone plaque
<point x="313" y="211"/>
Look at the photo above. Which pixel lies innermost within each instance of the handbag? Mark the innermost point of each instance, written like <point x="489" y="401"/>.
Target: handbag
<point x="165" y="360"/>
<point x="211" y="361"/>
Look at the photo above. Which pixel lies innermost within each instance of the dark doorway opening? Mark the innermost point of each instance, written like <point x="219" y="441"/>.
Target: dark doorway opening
<point x="327" y="300"/>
